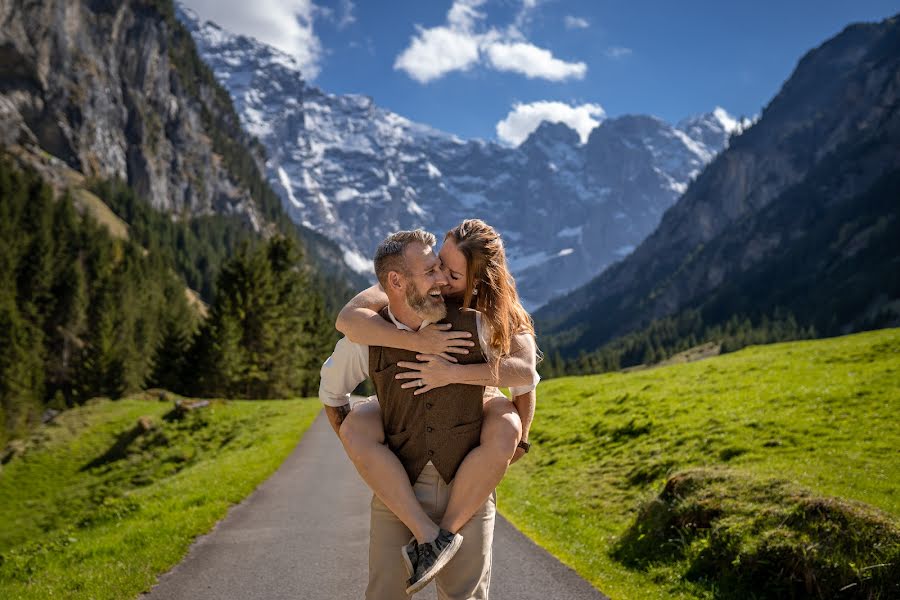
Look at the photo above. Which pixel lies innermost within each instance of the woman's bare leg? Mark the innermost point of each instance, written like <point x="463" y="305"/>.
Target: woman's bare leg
<point x="485" y="465"/>
<point x="362" y="434"/>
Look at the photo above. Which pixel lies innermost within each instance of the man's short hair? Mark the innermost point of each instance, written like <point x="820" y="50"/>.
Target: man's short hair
<point x="389" y="255"/>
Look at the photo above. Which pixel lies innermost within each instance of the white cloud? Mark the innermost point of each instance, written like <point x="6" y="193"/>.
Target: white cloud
<point x="524" y="14"/>
<point x="342" y="16"/>
<point x="464" y="41"/>
<point x="618" y="52"/>
<point x="347" y="17"/>
<point x="576" y="22"/>
<point x="462" y="15"/>
<point x="436" y="52"/>
<point x="533" y="62"/>
<point x="285" y="24"/>
<point x="525" y="118"/>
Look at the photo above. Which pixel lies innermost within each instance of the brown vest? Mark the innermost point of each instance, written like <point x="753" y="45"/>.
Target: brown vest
<point x="442" y="425"/>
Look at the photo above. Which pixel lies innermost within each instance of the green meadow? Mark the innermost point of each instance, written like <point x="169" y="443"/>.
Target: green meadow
<point x="108" y="496"/>
<point x="770" y="472"/>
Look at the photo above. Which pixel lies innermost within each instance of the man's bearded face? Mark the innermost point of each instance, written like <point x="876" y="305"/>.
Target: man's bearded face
<point x="428" y="304"/>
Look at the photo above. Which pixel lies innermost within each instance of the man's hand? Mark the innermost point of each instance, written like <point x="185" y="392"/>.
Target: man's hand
<point x="336" y="416"/>
<point x="439" y="340"/>
<point x="433" y="372"/>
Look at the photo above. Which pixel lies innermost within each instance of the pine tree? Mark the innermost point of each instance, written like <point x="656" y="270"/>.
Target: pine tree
<point x="171" y="354"/>
<point x="100" y="372"/>
<point x="21" y="370"/>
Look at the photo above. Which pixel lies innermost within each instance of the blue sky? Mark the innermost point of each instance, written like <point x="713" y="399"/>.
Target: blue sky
<point x="466" y="66"/>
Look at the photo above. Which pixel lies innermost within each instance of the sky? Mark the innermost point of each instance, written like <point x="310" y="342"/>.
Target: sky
<point x="494" y="69"/>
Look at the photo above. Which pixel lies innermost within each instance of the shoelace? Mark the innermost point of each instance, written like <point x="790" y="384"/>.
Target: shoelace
<point x="441" y="541"/>
<point x="427" y="549"/>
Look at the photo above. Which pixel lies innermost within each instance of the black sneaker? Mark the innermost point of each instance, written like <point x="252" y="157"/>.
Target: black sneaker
<point x="431" y="558"/>
<point x="410" y="556"/>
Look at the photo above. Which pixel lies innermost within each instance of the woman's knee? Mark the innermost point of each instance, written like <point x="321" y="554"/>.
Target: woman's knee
<point x="362" y="426"/>
<point x="502" y="428"/>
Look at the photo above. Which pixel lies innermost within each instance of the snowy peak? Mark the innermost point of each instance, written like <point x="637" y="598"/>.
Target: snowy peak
<point x="714" y="128"/>
<point x="355" y="172"/>
<point x="553" y="133"/>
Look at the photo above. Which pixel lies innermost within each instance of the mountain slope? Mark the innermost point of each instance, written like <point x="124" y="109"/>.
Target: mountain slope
<point x="355" y="172"/>
<point x="112" y="98"/>
<point x="799" y="212"/>
<point x="117" y="91"/>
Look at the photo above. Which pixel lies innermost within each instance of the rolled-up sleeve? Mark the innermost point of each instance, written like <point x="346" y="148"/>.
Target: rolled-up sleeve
<point x="345" y="369"/>
<point x="484" y="337"/>
<point x="524" y="389"/>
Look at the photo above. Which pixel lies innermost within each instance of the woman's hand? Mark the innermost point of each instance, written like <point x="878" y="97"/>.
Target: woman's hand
<point x="437" y="339"/>
<point x="433" y="372"/>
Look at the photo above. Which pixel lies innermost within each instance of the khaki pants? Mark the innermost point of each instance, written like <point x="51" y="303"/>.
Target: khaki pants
<point x="466" y="577"/>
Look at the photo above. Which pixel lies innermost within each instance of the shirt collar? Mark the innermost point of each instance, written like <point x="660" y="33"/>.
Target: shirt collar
<point x="401" y="325"/>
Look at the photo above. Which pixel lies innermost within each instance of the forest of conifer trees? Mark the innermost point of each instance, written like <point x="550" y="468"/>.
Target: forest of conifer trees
<point x="84" y="314"/>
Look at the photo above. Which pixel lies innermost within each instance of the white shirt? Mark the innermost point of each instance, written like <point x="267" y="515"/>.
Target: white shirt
<point x="348" y="366"/>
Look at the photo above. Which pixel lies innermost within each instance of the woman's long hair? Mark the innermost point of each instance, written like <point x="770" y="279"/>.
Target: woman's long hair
<point x="490" y="284"/>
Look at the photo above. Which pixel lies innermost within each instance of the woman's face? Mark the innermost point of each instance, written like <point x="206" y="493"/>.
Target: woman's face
<point x="454" y="265"/>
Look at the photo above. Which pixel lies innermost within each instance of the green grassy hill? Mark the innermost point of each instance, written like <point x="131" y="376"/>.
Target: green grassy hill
<point x="109" y="495"/>
<point x="770" y="472"/>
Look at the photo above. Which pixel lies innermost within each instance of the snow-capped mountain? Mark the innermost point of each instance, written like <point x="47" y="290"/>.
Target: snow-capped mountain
<point x="356" y="172"/>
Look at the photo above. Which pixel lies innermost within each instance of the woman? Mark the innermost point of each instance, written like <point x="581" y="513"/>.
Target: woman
<point x="474" y="263"/>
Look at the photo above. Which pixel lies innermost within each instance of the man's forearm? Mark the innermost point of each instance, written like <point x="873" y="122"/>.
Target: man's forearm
<point x="336" y="416"/>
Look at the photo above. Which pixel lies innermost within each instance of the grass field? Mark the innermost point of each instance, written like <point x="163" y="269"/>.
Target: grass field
<point x="777" y="430"/>
<point x="103" y="500"/>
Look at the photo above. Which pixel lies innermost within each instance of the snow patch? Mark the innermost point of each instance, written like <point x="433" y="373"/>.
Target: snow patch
<point x="413" y="208"/>
<point x="570" y="231"/>
<point x="701" y="151"/>
<point x="358" y="262"/>
<point x="286" y="183"/>
<point x="728" y="123"/>
<point x="528" y="260"/>
<point x="345" y="194"/>
<point x="677" y="186"/>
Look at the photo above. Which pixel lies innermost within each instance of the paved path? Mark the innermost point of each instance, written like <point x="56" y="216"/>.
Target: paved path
<point x="303" y="534"/>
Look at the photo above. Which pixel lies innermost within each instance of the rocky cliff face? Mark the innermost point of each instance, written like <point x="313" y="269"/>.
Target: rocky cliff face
<point x="355" y="172"/>
<point x="826" y="145"/>
<point x="109" y="89"/>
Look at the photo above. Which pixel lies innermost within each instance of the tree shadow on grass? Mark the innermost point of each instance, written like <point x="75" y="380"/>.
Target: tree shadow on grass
<point x="121" y="447"/>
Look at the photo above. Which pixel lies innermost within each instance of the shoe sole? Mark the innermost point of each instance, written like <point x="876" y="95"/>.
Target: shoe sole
<point x="406" y="562"/>
<point x="439" y="564"/>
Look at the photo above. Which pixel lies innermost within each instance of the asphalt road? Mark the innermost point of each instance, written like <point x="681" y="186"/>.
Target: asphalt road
<point x="303" y="534"/>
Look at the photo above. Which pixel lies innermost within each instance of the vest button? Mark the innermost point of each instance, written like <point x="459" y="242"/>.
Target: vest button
<point x="428" y="405"/>
<point x="431" y="453"/>
<point x="429" y="429"/>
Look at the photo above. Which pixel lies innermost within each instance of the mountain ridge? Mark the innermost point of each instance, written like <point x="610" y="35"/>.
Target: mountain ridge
<point x="825" y="142"/>
<point x="355" y="171"/>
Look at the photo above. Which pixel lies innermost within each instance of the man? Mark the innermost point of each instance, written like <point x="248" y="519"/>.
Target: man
<point x="431" y="435"/>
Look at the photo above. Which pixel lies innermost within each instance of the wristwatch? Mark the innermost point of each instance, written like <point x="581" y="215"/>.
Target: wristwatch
<point x="525" y="446"/>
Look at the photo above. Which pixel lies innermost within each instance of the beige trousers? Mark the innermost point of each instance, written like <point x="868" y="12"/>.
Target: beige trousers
<point x="466" y="577"/>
